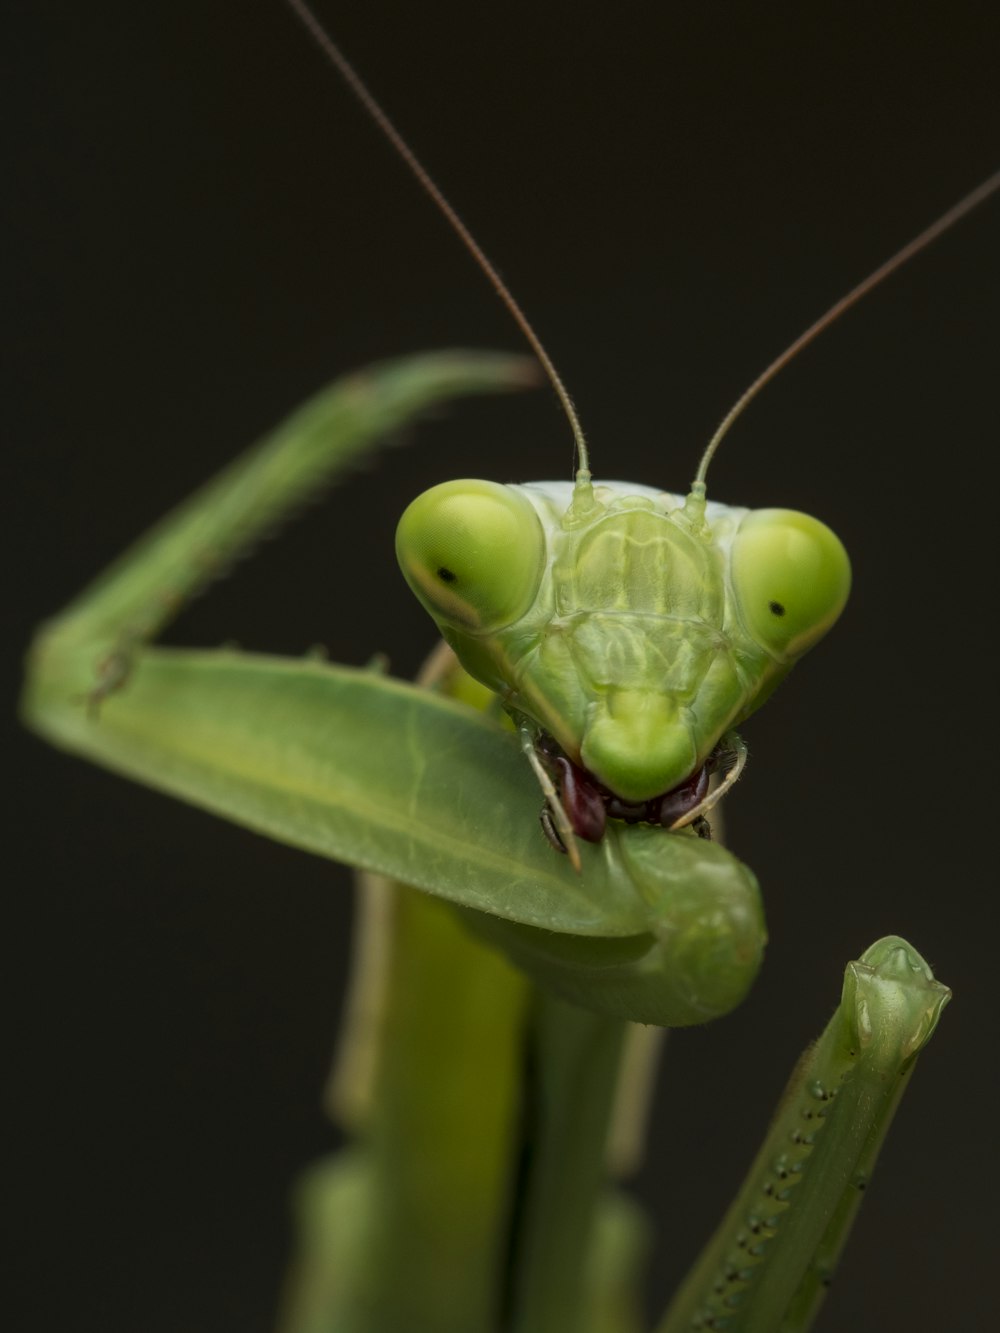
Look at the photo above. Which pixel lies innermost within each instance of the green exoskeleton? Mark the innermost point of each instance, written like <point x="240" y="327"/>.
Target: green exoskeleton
<point x="627" y="632"/>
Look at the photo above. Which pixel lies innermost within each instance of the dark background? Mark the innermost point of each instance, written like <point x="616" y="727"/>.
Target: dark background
<point x="204" y="230"/>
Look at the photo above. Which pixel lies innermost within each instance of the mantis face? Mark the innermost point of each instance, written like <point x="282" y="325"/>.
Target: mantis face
<point x="631" y="629"/>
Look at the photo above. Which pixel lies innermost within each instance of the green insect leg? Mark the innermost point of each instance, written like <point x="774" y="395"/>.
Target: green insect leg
<point x="96" y="637"/>
<point x="767" y="1267"/>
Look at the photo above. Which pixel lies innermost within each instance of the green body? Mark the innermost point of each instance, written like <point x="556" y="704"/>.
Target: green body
<point x="480" y="1078"/>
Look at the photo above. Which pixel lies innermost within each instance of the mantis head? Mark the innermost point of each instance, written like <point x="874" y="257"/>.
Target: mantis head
<point x="634" y="632"/>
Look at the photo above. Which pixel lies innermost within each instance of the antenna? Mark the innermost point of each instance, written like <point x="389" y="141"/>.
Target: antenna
<point x="353" y="80"/>
<point x="901" y="257"/>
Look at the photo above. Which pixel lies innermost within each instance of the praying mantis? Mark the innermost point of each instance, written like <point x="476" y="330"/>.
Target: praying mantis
<point x="781" y="798"/>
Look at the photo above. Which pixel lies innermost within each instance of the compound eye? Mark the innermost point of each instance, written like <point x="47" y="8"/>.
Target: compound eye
<point x="473" y="553"/>
<point x="792" y="576"/>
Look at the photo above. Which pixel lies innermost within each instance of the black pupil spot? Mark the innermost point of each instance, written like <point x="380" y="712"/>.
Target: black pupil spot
<point x="776" y="609"/>
<point x="445" y="575"/>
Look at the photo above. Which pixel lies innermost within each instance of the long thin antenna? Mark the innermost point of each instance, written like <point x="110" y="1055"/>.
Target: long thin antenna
<point x="353" y="80"/>
<point x="901" y="257"/>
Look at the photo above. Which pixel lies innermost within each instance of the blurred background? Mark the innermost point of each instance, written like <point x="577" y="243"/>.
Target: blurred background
<point x="204" y="230"/>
